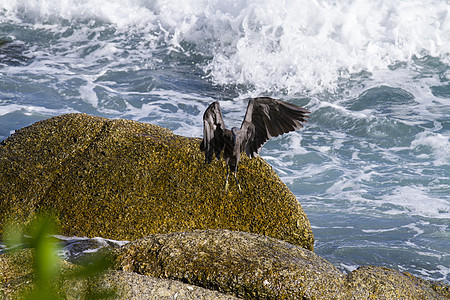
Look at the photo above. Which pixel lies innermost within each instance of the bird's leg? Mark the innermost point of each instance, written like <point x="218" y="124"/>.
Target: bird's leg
<point x="226" y="181"/>
<point x="235" y="177"/>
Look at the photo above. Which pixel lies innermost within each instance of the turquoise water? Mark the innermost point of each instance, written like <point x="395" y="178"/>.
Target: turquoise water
<point x="371" y="168"/>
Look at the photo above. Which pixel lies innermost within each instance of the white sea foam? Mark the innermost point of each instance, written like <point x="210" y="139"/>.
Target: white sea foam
<point x="378" y="230"/>
<point x="31" y="110"/>
<point x="416" y="228"/>
<point x="183" y="105"/>
<point x="88" y="94"/>
<point x="272" y="45"/>
<point x="439" y="144"/>
<point x="348" y="268"/>
<point x="417" y="201"/>
<point x="76" y="246"/>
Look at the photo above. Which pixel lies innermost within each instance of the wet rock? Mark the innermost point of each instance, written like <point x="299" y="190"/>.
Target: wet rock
<point x="371" y="282"/>
<point x="135" y="286"/>
<point x="257" y="267"/>
<point x="17" y="279"/>
<point x="15" y="272"/>
<point x="238" y="263"/>
<point x="123" y="180"/>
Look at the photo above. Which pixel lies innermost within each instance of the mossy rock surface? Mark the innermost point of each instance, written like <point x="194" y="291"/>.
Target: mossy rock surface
<point x="17" y="278"/>
<point x="258" y="267"/>
<point x="239" y="263"/>
<point x="135" y="286"/>
<point x="123" y="179"/>
<point x="370" y="282"/>
<point x="17" y="274"/>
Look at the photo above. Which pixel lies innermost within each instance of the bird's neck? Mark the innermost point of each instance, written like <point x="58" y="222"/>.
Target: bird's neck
<point x="234" y="131"/>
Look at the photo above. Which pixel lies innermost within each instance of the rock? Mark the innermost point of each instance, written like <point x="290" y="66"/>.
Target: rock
<point x="238" y="263"/>
<point x="135" y="286"/>
<point x="258" y="267"/>
<point x="241" y="264"/>
<point x="123" y="180"/>
<point x="16" y="278"/>
<point x="15" y="272"/>
<point x="371" y="282"/>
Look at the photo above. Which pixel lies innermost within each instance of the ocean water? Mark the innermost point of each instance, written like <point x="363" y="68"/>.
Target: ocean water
<point x="371" y="168"/>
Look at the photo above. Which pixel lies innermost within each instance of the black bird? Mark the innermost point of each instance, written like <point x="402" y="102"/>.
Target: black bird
<point x="265" y="118"/>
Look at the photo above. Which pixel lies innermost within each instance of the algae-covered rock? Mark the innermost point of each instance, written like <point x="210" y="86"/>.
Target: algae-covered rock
<point x="17" y="279"/>
<point x="243" y="264"/>
<point x="221" y="261"/>
<point x="258" y="267"/>
<point x="15" y="272"/>
<point x="124" y="180"/>
<point x="371" y="282"/>
<point x="18" y="274"/>
<point x="135" y="286"/>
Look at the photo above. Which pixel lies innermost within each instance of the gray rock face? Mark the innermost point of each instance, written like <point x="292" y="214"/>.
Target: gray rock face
<point x="245" y="265"/>
<point x="135" y="286"/>
<point x="258" y="267"/>
<point x="17" y="277"/>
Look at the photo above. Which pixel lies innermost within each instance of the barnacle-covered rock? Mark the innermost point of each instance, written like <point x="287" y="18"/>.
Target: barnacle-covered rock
<point x="370" y="282"/>
<point x="123" y="179"/>
<point x="252" y="266"/>
<point x="242" y="264"/>
<point x="17" y="279"/>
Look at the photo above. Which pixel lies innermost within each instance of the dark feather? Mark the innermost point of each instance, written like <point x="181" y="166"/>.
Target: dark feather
<point x="213" y="132"/>
<point x="266" y="118"/>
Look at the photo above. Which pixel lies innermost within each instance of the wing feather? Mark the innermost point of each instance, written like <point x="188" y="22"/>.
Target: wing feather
<point x="266" y="118"/>
<point x="213" y="132"/>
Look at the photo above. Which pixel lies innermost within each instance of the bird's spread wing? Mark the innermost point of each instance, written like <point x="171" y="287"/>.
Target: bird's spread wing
<point x="213" y="131"/>
<point x="266" y="118"/>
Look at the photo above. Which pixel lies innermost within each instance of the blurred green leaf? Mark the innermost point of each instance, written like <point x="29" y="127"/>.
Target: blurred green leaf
<point x="96" y="265"/>
<point x="12" y="236"/>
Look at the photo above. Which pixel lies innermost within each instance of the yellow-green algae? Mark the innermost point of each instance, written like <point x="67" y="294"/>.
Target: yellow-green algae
<point x="258" y="267"/>
<point x="123" y="179"/>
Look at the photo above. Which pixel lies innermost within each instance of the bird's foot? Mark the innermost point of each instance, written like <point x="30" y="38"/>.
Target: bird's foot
<point x="239" y="187"/>
<point x="226" y="186"/>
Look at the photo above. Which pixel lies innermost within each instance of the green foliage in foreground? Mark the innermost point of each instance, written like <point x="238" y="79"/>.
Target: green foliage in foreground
<point x="50" y="280"/>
